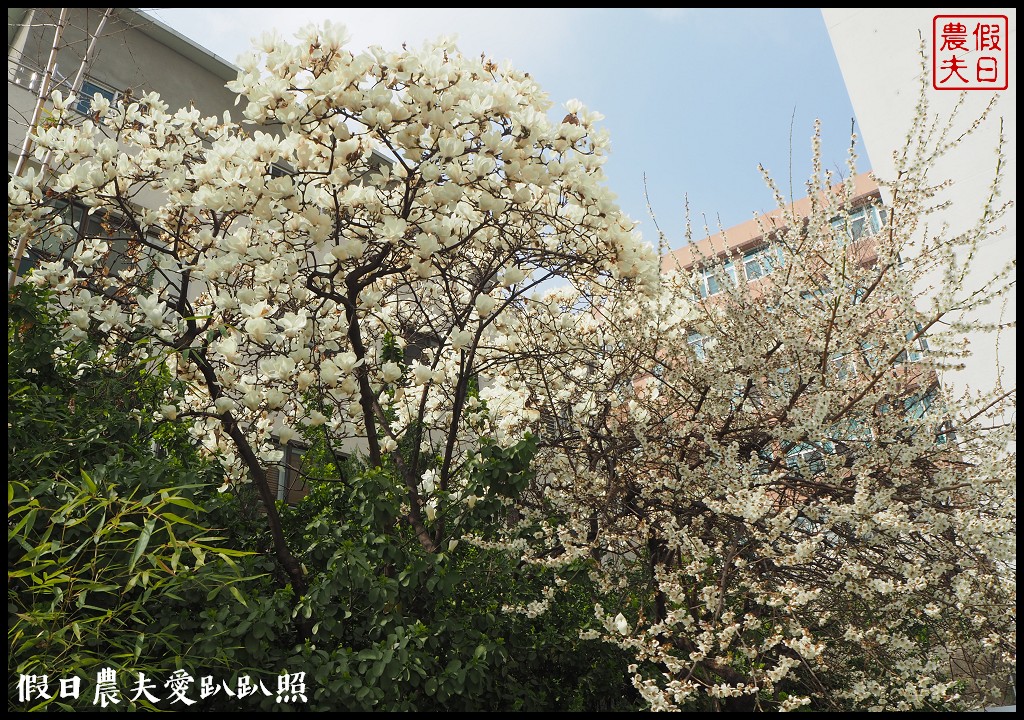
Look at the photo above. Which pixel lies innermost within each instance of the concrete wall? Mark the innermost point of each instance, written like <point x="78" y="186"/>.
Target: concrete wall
<point x="138" y="53"/>
<point x="134" y="53"/>
<point x="878" y="52"/>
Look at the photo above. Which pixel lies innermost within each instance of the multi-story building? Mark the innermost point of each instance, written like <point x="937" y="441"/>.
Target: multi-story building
<point x="750" y="253"/>
<point x="745" y="247"/>
<point x="133" y="54"/>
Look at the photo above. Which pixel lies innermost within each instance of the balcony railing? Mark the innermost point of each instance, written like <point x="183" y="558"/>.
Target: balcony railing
<point x="30" y="76"/>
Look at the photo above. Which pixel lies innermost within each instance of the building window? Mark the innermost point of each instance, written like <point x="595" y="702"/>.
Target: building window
<point x="290" y="484"/>
<point x="946" y="433"/>
<point x="558" y="425"/>
<point x="807" y="456"/>
<point x="917" y="406"/>
<point x="859" y="223"/>
<point x="279" y="171"/>
<point x="842" y="365"/>
<point x="761" y="261"/>
<point x="711" y="279"/>
<point x="89" y="89"/>
<point x="73" y="225"/>
<point x="696" y="342"/>
<point x="917" y="347"/>
<point x="921" y="404"/>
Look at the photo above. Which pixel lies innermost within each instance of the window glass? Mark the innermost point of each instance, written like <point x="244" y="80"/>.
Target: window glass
<point x="85" y="95"/>
<point x="295" y="483"/>
<point x="73" y="224"/>
<point x="696" y="341"/>
<point x="857" y="224"/>
<point x="761" y="261"/>
<point x="804" y="455"/>
<point x="711" y="279"/>
<point x="917" y="405"/>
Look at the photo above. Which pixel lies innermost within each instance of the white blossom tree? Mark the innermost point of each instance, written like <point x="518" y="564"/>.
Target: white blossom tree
<point x="810" y="518"/>
<point x="375" y="200"/>
<point x="362" y="254"/>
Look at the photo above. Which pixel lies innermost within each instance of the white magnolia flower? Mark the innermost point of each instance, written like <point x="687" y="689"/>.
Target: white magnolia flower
<point x="347" y="248"/>
<point x="259" y="309"/>
<point x="59" y="101"/>
<point x="427" y="484"/>
<point x="484" y="304"/>
<point x="258" y="329"/>
<point x="79" y="318"/>
<point x="285" y="433"/>
<point x="460" y="339"/>
<point x="421" y="373"/>
<point x="292" y="324"/>
<point x="391" y="372"/>
<point x="347" y="361"/>
<point x="330" y="373"/>
<point x="304" y="380"/>
<point x="620" y="624"/>
<point x="251" y="399"/>
<point x="426" y="245"/>
<point x="275" y="398"/>
<point x="512" y="276"/>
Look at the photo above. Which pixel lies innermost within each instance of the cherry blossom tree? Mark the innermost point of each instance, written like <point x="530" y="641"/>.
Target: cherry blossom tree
<point x="792" y="508"/>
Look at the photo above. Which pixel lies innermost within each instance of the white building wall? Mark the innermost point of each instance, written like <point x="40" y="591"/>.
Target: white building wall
<point x="878" y="50"/>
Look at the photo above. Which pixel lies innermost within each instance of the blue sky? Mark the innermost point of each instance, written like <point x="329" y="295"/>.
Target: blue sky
<point x="693" y="98"/>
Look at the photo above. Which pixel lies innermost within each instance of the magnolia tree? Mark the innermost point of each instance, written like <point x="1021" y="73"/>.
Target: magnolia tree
<point x="774" y="474"/>
<point x="362" y="255"/>
<point x="368" y="203"/>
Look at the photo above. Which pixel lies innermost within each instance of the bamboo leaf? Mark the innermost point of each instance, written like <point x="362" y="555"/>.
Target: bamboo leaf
<point x="238" y="595"/>
<point x="142" y="543"/>
<point x="89" y="483"/>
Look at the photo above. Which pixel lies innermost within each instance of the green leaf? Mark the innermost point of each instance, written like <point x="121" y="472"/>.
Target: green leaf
<point x="88" y="481"/>
<point x="143" y="541"/>
<point x="178" y="519"/>
<point x="25" y="526"/>
<point x="185" y="503"/>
